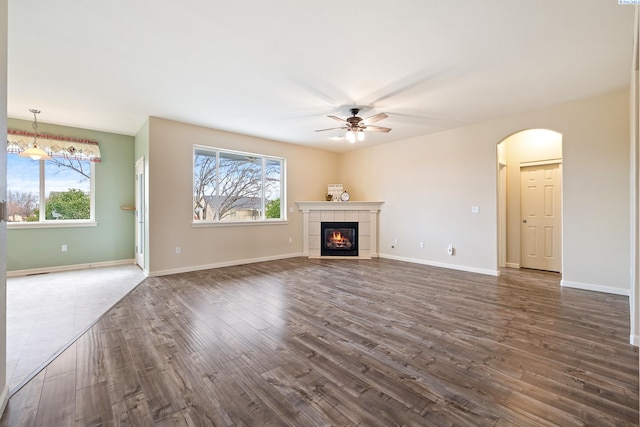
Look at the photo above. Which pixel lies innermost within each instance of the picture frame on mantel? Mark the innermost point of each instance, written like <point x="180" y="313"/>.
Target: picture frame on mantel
<point x="335" y="191"/>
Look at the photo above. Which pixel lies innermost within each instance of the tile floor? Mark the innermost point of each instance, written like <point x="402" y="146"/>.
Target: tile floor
<point x="47" y="312"/>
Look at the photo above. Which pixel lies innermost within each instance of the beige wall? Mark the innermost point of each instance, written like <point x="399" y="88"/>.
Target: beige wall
<point x="170" y="197"/>
<point x="531" y="145"/>
<point x="634" y="165"/>
<point x="430" y="183"/>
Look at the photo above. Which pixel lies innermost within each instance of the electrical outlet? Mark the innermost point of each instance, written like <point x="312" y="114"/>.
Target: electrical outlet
<point x="450" y="249"/>
<point x="64" y="248"/>
<point x="178" y="250"/>
<point x="421" y="245"/>
<point x="475" y="209"/>
<point x="395" y="242"/>
<point x="290" y="239"/>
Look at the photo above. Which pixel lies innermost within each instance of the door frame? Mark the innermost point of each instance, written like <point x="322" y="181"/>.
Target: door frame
<point x="502" y="215"/>
<point x="140" y="212"/>
<point x="504" y="225"/>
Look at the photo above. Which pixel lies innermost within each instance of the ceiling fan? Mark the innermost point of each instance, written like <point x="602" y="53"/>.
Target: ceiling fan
<point x="355" y="125"/>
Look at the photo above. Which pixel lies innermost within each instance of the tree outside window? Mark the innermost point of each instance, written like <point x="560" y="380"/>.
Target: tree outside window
<point x="233" y="186"/>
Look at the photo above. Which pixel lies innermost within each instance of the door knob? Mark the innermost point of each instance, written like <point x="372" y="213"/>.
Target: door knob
<point x="524" y="221"/>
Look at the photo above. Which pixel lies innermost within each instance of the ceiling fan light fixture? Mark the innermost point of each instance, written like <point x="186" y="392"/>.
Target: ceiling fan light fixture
<point x="351" y="136"/>
<point x="356" y="126"/>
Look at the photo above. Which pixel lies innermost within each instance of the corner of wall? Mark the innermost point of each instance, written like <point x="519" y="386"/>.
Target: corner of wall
<point x="4" y="399"/>
<point x="4" y="19"/>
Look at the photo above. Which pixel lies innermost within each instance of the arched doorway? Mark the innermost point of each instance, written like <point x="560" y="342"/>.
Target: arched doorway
<point x="530" y="153"/>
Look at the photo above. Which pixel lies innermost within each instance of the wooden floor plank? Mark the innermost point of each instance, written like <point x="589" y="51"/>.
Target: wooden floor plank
<point x="93" y="406"/>
<point x="58" y="401"/>
<point x="132" y="411"/>
<point x="345" y="342"/>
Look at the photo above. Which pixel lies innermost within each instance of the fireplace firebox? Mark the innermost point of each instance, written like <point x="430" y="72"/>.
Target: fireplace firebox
<point x="339" y="238"/>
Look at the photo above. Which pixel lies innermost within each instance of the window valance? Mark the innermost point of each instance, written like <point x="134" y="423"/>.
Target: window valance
<point x="55" y="146"/>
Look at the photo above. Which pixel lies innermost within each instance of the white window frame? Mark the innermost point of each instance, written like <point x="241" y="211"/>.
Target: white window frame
<point x="263" y="221"/>
<point x="43" y="222"/>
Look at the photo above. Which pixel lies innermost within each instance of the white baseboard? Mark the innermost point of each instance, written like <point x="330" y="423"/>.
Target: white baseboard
<point x="60" y="268"/>
<point x="4" y="399"/>
<point x="634" y="340"/>
<point x="592" y="287"/>
<point x="513" y="265"/>
<point x="443" y="265"/>
<point x="219" y="265"/>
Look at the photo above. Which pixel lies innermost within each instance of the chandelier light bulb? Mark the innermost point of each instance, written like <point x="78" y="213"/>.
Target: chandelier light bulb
<point x="35" y="153"/>
<point x="360" y="136"/>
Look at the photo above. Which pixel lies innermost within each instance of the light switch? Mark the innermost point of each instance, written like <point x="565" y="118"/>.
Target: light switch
<point x="475" y="209"/>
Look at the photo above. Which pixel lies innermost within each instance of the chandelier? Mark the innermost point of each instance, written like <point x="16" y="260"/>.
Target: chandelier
<point x="34" y="152"/>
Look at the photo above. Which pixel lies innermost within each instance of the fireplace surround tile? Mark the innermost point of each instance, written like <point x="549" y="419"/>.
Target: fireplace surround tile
<point x="365" y="242"/>
<point x="364" y="213"/>
<point x="327" y="216"/>
<point x="352" y="216"/>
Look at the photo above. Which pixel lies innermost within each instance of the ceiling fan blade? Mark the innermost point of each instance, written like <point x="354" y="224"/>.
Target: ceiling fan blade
<point x="374" y="118"/>
<point x="322" y="130"/>
<point x="337" y="118"/>
<point x="377" y="129"/>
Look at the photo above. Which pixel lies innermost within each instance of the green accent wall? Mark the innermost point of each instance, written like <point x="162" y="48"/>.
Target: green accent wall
<point x="112" y="239"/>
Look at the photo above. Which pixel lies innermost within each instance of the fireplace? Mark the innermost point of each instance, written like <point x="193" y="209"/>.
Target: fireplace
<point x="315" y="213"/>
<point x="339" y="238"/>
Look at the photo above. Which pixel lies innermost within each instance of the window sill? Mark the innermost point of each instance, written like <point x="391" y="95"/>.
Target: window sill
<point x="201" y="224"/>
<point x="50" y="224"/>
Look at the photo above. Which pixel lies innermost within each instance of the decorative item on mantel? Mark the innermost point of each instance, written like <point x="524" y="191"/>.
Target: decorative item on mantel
<point x="334" y="191"/>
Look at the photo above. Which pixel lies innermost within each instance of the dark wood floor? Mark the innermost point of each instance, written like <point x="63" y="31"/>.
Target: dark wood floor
<point x="351" y="342"/>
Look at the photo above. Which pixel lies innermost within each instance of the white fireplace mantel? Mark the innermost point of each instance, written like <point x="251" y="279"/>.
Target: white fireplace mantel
<point x="364" y="213"/>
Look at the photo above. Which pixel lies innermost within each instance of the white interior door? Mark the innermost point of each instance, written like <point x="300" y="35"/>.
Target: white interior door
<point x="541" y="188"/>
<point x="140" y="207"/>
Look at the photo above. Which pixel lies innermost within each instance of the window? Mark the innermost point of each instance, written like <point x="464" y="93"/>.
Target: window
<point x="61" y="185"/>
<point x="230" y="186"/>
<point x="54" y="192"/>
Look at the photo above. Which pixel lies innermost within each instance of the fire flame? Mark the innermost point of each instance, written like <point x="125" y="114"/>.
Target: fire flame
<point x="336" y="240"/>
<point x="337" y="237"/>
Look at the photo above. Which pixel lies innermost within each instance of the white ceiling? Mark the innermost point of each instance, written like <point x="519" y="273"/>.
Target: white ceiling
<point x="276" y="69"/>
